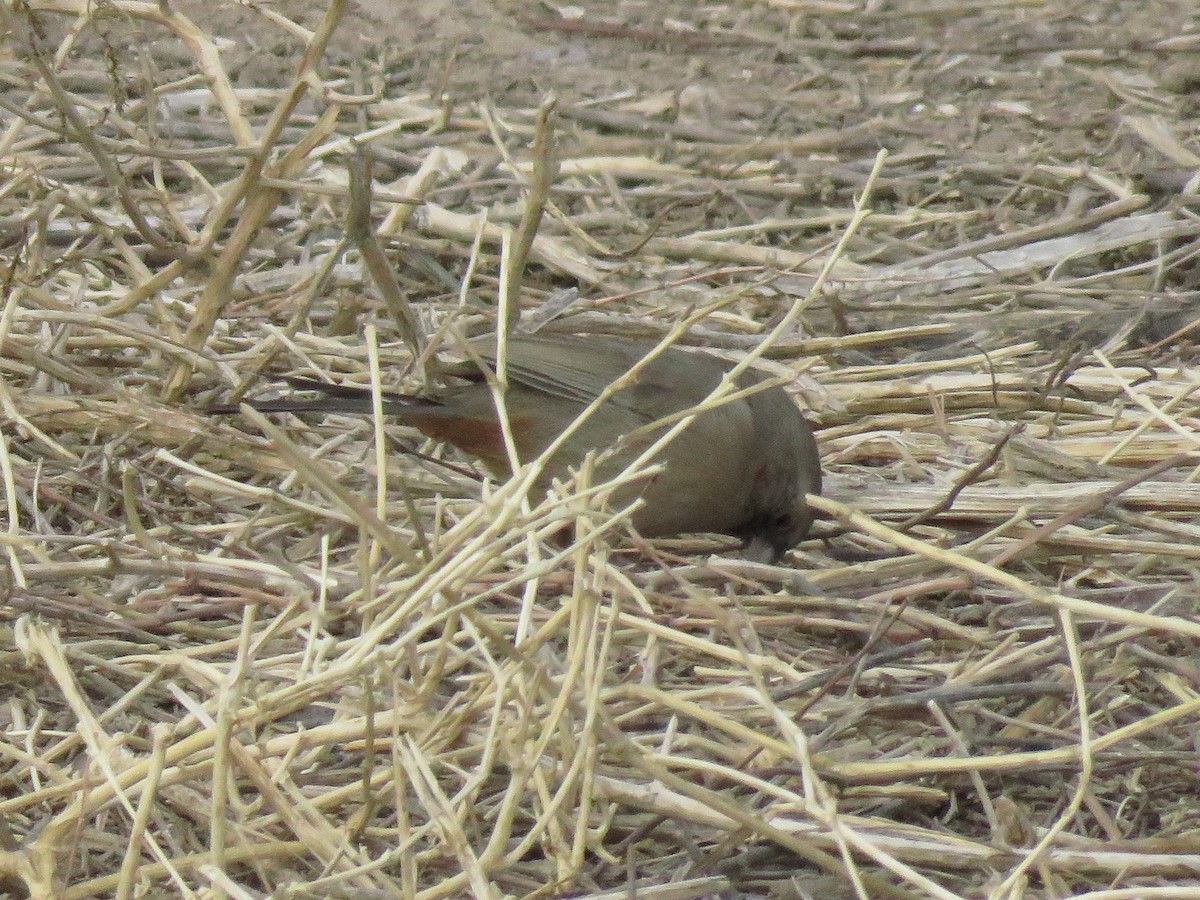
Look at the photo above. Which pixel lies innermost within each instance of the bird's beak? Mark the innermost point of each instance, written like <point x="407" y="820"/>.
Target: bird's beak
<point x="759" y="549"/>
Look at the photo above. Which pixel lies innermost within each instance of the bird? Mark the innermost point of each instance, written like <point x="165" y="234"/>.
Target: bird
<point x="741" y="468"/>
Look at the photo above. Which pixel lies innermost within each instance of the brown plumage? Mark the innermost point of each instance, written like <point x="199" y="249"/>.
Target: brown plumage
<point x="740" y="469"/>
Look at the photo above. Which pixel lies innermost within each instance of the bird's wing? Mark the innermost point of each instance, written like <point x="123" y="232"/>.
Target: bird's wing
<point x="580" y="368"/>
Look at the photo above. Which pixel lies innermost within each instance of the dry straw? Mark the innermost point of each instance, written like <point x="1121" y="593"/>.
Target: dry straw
<point x="249" y="658"/>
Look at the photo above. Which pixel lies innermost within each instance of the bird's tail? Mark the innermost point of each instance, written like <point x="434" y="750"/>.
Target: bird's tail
<point x="338" y="398"/>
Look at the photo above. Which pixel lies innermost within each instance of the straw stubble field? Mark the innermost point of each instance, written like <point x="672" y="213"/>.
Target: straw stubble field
<point x="264" y="657"/>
